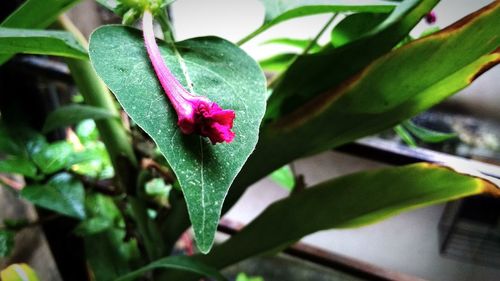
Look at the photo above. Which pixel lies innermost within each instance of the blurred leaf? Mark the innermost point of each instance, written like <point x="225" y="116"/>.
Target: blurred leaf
<point x="277" y="12"/>
<point x="312" y="75"/>
<point x="243" y="277"/>
<point x="175" y="262"/>
<point x="284" y="177"/>
<point x="277" y="63"/>
<point x="8" y="144"/>
<point x="15" y="224"/>
<point x="301" y="44"/>
<point x="102" y="215"/>
<point x="109" y="256"/>
<point x="36" y="14"/>
<point x="87" y="131"/>
<point x="6" y="242"/>
<point x="220" y="71"/>
<point x="349" y="201"/>
<point x="427" y="135"/>
<point x="18" y="272"/>
<point x="62" y="194"/>
<point x="93" y="162"/>
<point x="93" y="226"/>
<point x="72" y="114"/>
<point x="40" y="42"/>
<point x="405" y="136"/>
<point x="17" y="165"/>
<point x="354" y="27"/>
<point x="157" y="187"/>
<point x="53" y="157"/>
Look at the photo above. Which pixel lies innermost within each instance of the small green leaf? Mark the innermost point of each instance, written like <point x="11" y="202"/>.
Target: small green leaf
<point x="62" y="194"/>
<point x="109" y="256"/>
<point x="301" y="44"/>
<point x="8" y="144"/>
<point x="18" y="165"/>
<point x="18" y="272"/>
<point x="243" y="277"/>
<point x="40" y="42"/>
<point x="349" y="201"/>
<point x="93" y="226"/>
<point x="6" y="243"/>
<point x="175" y="262"/>
<point x="157" y="187"/>
<point x="405" y="136"/>
<point x="284" y="177"/>
<point x="354" y="27"/>
<point x="219" y="70"/>
<point x="53" y="157"/>
<point x="427" y="135"/>
<point x="277" y="63"/>
<point x="72" y="114"/>
<point x="277" y="12"/>
<point x="35" y="14"/>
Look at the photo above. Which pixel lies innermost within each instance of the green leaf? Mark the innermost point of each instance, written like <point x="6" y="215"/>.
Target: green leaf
<point x="53" y="157"/>
<point x="395" y="87"/>
<point x="40" y="42"/>
<point x="243" y="277"/>
<point x="72" y="114"/>
<point x="301" y="44"/>
<point x="349" y="201"/>
<point x="102" y="215"/>
<point x="35" y="14"/>
<point x="18" y="272"/>
<point x="175" y="262"/>
<point x="405" y="136"/>
<point x="354" y="27"/>
<point x="6" y="243"/>
<point x="312" y="75"/>
<point x="220" y="71"/>
<point x="279" y="11"/>
<point x="277" y="63"/>
<point x="8" y="143"/>
<point x="284" y="177"/>
<point x="427" y="135"/>
<point x="93" y="226"/>
<point x="109" y="256"/>
<point x="18" y="165"/>
<point x="62" y="194"/>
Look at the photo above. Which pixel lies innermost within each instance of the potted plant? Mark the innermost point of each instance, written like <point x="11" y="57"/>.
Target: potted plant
<point x="203" y="124"/>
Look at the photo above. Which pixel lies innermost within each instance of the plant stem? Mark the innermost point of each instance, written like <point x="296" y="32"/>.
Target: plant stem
<point x="277" y="78"/>
<point x="112" y="131"/>
<point x="320" y="33"/>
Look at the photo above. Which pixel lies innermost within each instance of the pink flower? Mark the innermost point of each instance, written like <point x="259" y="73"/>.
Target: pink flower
<point x="196" y="114"/>
<point x="431" y="17"/>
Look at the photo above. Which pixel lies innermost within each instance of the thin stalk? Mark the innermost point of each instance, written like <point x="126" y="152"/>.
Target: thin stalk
<point x="277" y="78"/>
<point x="320" y="33"/>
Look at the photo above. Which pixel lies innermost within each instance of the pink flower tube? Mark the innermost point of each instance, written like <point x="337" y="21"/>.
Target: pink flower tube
<point x="196" y="114"/>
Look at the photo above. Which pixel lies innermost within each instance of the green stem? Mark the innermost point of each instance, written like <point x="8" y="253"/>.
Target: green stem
<point x="273" y="82"/>
<point x="95" y="93"/>
<point x="320" y="33"/>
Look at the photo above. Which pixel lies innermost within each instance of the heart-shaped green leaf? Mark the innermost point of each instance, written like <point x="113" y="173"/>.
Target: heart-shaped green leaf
<point x="218" y="70"/>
